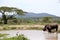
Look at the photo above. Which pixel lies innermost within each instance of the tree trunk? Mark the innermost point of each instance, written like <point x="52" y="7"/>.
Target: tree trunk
<point x="4" y="18"/>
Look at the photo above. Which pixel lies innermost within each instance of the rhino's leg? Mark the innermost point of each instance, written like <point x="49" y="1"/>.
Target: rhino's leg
<point x="49" y="30"/>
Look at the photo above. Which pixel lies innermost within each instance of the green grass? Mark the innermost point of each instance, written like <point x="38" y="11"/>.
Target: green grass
<point x="19" y="37"/>
<point x="1" y="35"/>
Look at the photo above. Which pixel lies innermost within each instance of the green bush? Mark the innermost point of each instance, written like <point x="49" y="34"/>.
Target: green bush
<point x="1" y="35"/>
<point x="19" y="37"/>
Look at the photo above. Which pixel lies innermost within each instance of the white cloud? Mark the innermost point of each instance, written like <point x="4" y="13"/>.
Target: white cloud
<point x="49" y="6"/>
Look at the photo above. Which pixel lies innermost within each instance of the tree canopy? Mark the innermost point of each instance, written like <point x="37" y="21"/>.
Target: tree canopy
<point x="11" y="9"/>
<point x="5" y="9"/>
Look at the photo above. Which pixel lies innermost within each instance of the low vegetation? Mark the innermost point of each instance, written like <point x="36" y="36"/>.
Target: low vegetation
<point x="21" y="27"/>
<point x="19" y="37"/>
<point x="1" y="35"/>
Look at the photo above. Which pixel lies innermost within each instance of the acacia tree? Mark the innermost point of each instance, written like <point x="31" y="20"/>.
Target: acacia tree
<point x="3" y="10"/>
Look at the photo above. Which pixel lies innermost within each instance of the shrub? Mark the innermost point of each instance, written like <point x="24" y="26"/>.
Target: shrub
<point x="1" y="35"/>
<point x="19" y="37"/>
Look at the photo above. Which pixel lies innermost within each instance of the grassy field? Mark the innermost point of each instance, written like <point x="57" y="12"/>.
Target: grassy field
<point x="23" y="27"/>
<point x="17" y="27"/>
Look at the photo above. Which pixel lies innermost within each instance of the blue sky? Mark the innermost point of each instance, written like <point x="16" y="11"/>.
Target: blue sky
<point x="36" y="6"/>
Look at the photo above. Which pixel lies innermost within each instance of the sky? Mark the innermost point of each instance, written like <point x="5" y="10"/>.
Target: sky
<point x="36" y="6"/>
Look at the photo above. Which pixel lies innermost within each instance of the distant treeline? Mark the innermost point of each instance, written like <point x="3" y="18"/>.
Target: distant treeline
<point x="36" y="20"/>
